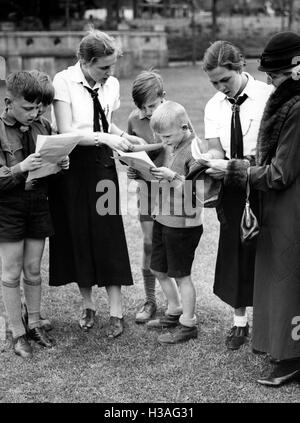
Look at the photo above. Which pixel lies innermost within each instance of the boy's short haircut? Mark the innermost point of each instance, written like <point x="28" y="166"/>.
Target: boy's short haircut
<point x="169" y="115"/>
<point x="146" y="85"/>
<point x="23" y="84"/>
<point x="46" y="86"/>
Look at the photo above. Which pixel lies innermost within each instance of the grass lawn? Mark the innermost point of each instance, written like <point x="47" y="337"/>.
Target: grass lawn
<point x="135" y="368"/>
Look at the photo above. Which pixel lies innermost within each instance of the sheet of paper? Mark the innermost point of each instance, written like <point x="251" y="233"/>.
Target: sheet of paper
<point x="139" y="161"/>
<point x="53" y="149"/>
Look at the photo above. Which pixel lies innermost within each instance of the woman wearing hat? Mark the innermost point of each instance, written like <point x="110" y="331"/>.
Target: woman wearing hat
<point x="276" y="176"/>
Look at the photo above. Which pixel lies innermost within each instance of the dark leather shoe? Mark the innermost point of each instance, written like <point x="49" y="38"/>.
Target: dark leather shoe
<point x="40" y="336"/>
<point x="115" y="327"/>
<point x="87" y="319"/>
<point x="166" y="321"/>
<point x="179" y="334"/>
<point x="237" y="337"/>
<point x="284" y="372"/>
<point x="257" y="352"/>
<point x="22" y="347"/>
<point x="146" y="312"/>
<point x="273" y="360"/>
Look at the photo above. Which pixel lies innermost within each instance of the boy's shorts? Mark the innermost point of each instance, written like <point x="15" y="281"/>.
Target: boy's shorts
<point x="173" y="249"/>
<point x="24" y="215"/>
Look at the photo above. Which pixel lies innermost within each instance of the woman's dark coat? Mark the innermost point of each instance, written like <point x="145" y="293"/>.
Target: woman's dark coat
<point x="276" y="313"/>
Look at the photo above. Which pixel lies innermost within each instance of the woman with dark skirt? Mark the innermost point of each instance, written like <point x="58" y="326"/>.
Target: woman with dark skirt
<point x="276" y="178"/>
<point x="232" y="118"/>
<point x="89" y="245"/>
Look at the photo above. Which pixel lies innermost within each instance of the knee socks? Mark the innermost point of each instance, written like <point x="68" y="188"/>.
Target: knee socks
<point x="149" y="285"/>
<point x="32" y="293"/>
<point x="12" y="301"/>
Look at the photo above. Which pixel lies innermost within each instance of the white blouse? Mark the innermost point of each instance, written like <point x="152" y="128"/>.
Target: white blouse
<point x="69" y="87"/>
<point x="217" y="115"/>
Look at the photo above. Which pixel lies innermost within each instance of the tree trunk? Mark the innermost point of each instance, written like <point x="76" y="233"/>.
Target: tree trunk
<point x="194" y="38"/>
<point x="214" y="12"/>
<point x="112" y="8"/>
<point x="291" y="14"/>
<point x="135" y="8"/>
<point x="44" y="13"/>
<point x="67" y="14"/>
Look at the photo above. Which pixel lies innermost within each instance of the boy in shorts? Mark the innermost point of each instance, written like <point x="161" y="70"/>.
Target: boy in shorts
<point x="147" y="93"/>
<point x="46" y="100"/>
<point x="176" y="232"/>
<point x="25" y="220"/>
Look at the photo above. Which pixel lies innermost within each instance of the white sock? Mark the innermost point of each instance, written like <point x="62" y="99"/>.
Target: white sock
<point x="187" y="321"/>
<point x="240" y="320"/>
<point x="115" y="301"/>
<point x="174" y="311"/>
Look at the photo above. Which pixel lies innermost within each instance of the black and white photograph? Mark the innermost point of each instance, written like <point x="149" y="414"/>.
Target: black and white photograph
<point x="149" y="205"/>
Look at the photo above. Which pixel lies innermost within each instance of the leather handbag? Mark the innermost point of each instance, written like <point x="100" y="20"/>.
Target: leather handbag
<point x="249" y="224"/>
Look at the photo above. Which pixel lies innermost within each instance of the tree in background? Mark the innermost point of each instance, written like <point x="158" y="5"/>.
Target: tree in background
<point x="285" y="8"/>
<point x="214" y="12"/>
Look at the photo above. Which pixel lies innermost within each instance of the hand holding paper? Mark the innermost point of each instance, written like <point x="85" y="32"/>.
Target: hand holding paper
<point x="53" y="149"/>
<point x="140" y="161"/>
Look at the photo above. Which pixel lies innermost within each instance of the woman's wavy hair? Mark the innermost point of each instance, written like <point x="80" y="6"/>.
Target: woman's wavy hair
<point x="96" y="44"/>
<point x="225" y="54"/>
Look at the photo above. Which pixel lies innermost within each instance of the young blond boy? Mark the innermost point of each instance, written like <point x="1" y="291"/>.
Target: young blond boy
<point x="176" y="231"/>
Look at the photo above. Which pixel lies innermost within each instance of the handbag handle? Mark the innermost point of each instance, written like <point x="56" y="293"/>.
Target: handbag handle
<point x="248" y="185"/>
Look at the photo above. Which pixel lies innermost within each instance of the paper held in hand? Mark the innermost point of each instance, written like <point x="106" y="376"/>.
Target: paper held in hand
<point x="53" y="149"/>
<point x="139" y="161"/>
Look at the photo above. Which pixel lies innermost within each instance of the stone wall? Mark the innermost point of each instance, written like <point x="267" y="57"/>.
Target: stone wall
<point x="54" y="51"/>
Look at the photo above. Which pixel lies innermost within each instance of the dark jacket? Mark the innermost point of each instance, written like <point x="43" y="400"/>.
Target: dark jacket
<point x="277" y="268"/>
<point x="12" y="179"/>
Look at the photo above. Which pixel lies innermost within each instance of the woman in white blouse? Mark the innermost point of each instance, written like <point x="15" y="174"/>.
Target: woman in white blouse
<point x="89" y="246"/>
<point x="232" y="119"/>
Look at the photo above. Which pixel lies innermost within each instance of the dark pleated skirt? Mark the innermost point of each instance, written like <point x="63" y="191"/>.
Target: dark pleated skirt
<point x="87" y="248"/>
<point x="234" y="275"/>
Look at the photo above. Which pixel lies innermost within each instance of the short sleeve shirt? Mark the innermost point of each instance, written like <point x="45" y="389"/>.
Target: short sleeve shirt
<point x="139" y="125"/>
<point x="217" y="115"/>
<point x="69" y="87"/>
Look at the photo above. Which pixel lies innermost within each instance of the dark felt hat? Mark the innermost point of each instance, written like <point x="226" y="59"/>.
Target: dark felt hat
<point x="281" y="52"/>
